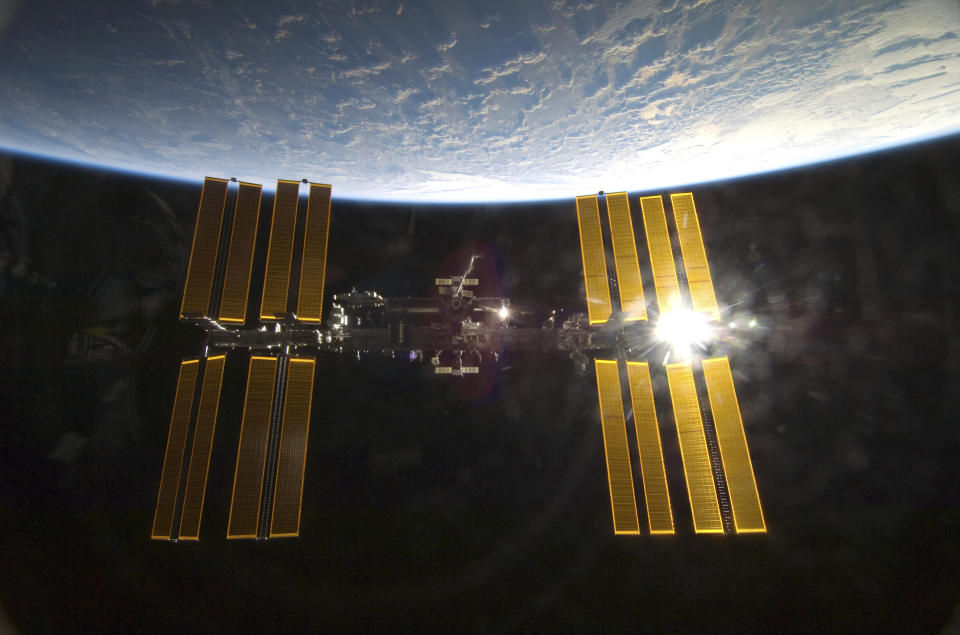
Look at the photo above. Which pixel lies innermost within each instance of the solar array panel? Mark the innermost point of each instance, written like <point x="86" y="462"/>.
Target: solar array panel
<point x="702" y="297"/>
<point x="693" y="449"/>
<point x="619" y="474"/>
<point x="595" y="279"/>
<point x="252" y="450"/>
<point x="173" y="457"/>
<point x="196" y="486"/>
<point x="656" y="495"/>
<point x="292" y="457"/>
<point x="625" y="257"/>
<point x="236" y="280"/>
<point x="314" y="264"/>
<point x="283" y="227"/>
<point x="203" y="253"/>
<point x="271" y="438"/>
<point x="661" y="254"/>
<point x="737" y="467"/>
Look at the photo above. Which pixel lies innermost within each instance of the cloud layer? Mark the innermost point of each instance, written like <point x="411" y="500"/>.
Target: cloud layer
<point x="457" y="102"/>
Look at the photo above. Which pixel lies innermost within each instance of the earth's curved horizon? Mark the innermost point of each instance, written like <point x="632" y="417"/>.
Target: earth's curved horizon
<point x="475" y="102"/>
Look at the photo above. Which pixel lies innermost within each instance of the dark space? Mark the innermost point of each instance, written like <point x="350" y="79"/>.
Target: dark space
<point x="427" y="506"/>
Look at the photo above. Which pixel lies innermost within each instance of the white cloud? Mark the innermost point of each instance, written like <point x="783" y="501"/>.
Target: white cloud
<point x="449" y="44"/>
<point x="510" y="67"/>
<point x="366" y="71"/>
<point x="290" y="19"/>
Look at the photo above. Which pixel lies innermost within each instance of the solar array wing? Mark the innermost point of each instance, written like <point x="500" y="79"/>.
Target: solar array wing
<point x="625" y="257"/>
<point x="252" y="450"/>
<point x="236" y="281"/>
<point x="661" y="254"/>
<point x="196" y="487"/>
<point x="702" y="297"/>
<point x="203" y="253"/>
<point x="292" y="457"/>
<point x="314" y="264"/>
<point x="283" y="227"/>
<point x="655" y="492"/>
<point x="741" y="484"/>
<point x="623" y="499"/>
<point x="173" y="457"/>
<point x="594" y="262"/>
<point x="693" y="449"/>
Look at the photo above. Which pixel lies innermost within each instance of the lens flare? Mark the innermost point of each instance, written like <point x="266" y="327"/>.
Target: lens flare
<point x="683" y="330"/>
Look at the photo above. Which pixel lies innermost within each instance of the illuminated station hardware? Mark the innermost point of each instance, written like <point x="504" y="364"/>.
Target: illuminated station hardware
<point x="283" y="227"/>
<point x="655" y="492"/>
<point x="594" y="262"/>
<point x="744" y="499"/>
<point x="191" y="428"/>
<point x="461" y="332"/>
<point x="203" y="253"/>
<point x="699" y="282"/>
<point x="619" y="475"/>
<point x="625" y="256"/>
<point x="313" y="267"/>
<point x="243" y="238"/>
<point x="717" y="470"/>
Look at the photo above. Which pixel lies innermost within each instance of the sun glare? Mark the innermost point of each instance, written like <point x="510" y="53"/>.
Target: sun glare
<point x="683" y="330"/>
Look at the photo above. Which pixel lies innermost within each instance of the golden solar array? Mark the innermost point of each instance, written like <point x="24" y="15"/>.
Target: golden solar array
<point x="313" y="269"/>
<point x="625" y="257"/>
<point x="271" y="455"/>
<point x="251" y="505"/>
<point x="710" y="477"/>
<point x="209" y="372"/>
<point x="620" y="477"/>
<point x="653" y="471"/>
<point x="594" y="262"/>
<point x="697" y="470"/>
<point x="236" y="281"/>
<point x="292" y="458"/>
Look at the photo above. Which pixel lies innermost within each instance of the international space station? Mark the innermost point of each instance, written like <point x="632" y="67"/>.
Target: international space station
<point x="624" y="332"/>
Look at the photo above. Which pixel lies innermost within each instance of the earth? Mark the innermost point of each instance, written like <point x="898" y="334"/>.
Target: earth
<point x="466" y="101"/>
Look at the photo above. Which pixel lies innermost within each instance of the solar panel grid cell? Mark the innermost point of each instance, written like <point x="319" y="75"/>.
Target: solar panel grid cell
<point x="693" y="449"/>
<point x="623" y="498"/>
<point x="236" y="281"/>
<point x="285" y="518"/>
<point x="173" y="456"/>
<point x="656" y="494"/>
<point x="661" y="254"/>
<point x="596" y="282"/>
<point x="313" y="266"/>
<point x="203" y="251"/>
<point x="699" y="282"/>
<point x="252" y="449"/>
<point x="737" y="467"/>
<point x="196" y="485"/>
<point x="625" y="257"/>
<point x="276" y="282"/>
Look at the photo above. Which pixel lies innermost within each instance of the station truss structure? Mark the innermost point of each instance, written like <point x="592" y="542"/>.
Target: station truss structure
<point x="456" y="330"/>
